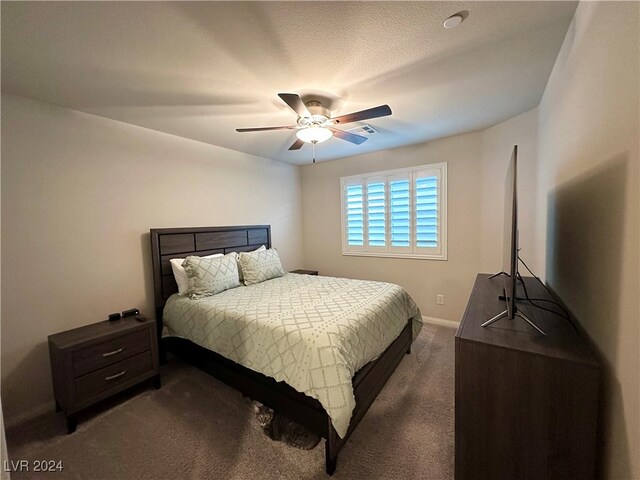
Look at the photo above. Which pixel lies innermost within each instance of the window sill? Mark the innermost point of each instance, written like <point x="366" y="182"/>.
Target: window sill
<point x="413" y="256"/>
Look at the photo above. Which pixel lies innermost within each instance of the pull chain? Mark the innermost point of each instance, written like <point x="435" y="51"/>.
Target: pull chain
<point x="313" y="147"/>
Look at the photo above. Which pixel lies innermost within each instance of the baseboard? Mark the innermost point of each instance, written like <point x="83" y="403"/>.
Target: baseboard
<point x="440" y="321"/>
<point x="29" y="414"/>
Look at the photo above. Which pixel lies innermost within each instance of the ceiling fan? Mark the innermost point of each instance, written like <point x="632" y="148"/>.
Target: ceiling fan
<point x="315" y="124"/>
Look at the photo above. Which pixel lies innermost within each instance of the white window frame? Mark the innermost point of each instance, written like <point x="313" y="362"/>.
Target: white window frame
<point x="438" y="253"/>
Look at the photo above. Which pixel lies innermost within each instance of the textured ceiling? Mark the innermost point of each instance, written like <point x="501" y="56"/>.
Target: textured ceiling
<point x="201" y="69"/>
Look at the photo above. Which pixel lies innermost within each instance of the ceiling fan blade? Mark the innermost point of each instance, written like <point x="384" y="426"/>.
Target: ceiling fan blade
<point x="263" y="129"/>
<point x="375" y="112"/>
<point x="349" y="137"/>
<point x="296" y="103"/>
<point x="296" y="145"/>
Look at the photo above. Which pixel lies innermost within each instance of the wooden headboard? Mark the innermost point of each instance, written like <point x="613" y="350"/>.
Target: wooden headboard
<point x="168" y="243"/>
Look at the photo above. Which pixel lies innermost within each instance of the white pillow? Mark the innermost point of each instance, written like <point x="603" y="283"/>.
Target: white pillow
<point x="181" y="275"/>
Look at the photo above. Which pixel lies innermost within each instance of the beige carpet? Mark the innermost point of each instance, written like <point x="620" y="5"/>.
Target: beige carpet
<point x="196" y="427"/>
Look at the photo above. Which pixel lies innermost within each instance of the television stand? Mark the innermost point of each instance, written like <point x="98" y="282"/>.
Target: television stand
<point x="498" y="274"/>
<point x="517" y="314"/>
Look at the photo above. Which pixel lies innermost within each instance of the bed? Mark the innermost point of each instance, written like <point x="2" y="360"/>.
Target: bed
<point x="279" y="381"/>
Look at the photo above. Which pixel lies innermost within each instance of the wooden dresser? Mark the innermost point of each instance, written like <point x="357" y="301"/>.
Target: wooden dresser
<point x="91" y="363"/>
<point x="525" y="404"/>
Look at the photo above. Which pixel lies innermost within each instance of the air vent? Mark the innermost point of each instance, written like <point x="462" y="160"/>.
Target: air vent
<point x="366" y="130"/>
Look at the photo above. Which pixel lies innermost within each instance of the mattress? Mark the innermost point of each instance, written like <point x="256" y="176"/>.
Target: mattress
<point x="312" y="332"/>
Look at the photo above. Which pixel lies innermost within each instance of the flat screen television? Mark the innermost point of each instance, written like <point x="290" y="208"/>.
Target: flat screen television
<point x="510" y="243"/>
<point x="509" y="271"/>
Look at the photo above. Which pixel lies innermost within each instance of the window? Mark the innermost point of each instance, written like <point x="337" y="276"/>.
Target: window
<point x="397" y="213"/>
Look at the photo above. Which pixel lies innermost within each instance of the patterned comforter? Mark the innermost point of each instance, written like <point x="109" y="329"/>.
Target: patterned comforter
<point x="311" y="332"/>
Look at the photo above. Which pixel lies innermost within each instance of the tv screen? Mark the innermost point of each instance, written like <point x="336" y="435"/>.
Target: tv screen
<point x="510" y="242"/>
<point x="510" y="247"/>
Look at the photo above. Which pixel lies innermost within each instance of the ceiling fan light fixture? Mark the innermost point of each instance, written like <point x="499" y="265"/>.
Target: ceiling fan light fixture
<point x="314" y="134"/>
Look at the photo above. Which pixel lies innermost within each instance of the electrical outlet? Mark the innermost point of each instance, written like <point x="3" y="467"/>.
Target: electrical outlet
<point x="440" y="299"/>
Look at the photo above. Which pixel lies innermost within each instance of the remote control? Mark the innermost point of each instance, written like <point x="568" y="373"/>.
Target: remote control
<point x="131" y="312"/>
<point x="141" y="318"/>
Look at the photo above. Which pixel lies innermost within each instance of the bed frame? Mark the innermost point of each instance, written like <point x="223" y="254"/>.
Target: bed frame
<point x="167" y="243"/>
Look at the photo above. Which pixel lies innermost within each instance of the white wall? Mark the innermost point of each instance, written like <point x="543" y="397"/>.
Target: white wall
<point x="497" y="144"/>
<point x="477" y="165"/>
<point x="79" y="195"/>
<point x="588" y="207"/>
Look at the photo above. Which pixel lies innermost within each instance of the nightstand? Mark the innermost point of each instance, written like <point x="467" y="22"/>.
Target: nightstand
<point x="94" y="362"/>
<point x="305" y="272"/>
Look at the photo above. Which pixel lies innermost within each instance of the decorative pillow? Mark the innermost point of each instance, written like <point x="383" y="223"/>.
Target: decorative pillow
<point x="181" y="276"/>
<point x="260" y="265"/>
<point x="259" y="249"/>
<point x="208" y="276"/>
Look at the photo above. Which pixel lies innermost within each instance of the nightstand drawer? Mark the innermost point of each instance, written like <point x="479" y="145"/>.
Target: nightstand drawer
<point x="103" y="354"/>
<point x="113" y="375"/>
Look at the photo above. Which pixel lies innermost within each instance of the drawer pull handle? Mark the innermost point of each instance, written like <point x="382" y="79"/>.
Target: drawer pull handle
<point x="115" y="352"/>
<point x="116" y="375"/>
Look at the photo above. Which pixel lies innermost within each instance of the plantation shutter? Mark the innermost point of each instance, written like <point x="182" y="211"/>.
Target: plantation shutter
<point x="400" y="213"/>
<point x="427" y="209"/>
<point x="376" y="213"/>
<point x="397" y="213"/>
<point x="354" y="203"/>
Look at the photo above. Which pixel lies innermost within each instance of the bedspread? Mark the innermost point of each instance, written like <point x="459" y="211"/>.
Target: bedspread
<point x="314" y="333"/>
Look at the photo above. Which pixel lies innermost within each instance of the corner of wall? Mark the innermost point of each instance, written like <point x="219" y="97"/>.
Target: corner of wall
<point x="588" y="208"/>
